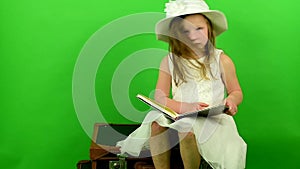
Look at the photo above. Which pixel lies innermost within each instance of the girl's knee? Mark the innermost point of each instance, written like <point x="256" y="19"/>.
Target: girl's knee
<point x="156" y="128"/>
<point x="189" y="136"/>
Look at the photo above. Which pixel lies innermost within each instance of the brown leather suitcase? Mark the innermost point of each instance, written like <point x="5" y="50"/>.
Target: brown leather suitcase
<point x="104" y="154"/>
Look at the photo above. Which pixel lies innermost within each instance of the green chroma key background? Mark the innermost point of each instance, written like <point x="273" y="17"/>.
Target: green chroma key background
<point x="40" y="43"/>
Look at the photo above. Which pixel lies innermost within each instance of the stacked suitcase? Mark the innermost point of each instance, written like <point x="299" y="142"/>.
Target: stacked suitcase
<point x="104" y="154"/>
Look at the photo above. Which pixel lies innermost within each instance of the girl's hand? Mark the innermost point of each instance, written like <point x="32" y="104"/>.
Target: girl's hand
<point x="232" y="107"/>
<point x="191" y="107"/>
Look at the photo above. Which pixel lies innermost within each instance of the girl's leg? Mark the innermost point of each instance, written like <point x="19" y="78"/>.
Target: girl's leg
<point x="159" y="146"/>
<point x="189" y="151"/>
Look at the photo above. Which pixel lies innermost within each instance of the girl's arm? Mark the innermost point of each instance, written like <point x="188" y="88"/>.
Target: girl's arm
<point x="162" y="91"/>
<point x="235" y="95"/>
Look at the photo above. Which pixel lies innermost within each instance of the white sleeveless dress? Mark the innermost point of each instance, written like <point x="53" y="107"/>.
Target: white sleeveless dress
<point x="217" y="137"/>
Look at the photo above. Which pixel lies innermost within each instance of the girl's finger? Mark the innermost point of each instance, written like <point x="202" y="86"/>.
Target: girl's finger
<point x="203" y="104"/>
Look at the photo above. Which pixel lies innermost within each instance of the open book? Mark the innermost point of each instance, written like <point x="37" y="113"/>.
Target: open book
<point x="171" y="114"/>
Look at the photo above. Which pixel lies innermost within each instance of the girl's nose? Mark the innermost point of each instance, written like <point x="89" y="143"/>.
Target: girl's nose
<point x="192" y="35"/>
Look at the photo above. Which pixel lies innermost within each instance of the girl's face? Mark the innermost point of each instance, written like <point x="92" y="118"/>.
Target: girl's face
<point x="196" y="30"/>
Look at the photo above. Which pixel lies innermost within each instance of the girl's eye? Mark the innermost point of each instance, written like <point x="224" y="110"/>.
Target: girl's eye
<point x="185" y="31"/>
<point x="199" y="28"/>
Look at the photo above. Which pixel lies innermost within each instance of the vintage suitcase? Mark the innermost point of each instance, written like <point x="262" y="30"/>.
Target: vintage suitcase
<point x="104" y="154"/>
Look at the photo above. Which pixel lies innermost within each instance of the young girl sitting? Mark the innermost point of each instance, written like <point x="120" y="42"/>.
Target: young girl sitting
<point x="199" y="75"/>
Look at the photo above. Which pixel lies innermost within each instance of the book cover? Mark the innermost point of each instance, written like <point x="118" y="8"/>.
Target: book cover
<point x="171" y="114"/>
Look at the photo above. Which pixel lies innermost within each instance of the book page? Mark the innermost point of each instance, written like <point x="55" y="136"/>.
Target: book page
<point x="158" y="106"/>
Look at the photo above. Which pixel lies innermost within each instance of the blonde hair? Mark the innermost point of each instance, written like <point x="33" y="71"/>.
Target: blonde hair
<point x="180" y="49"/>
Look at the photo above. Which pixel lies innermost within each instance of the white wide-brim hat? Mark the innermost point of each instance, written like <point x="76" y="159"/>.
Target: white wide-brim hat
<point x="184" y="7"/>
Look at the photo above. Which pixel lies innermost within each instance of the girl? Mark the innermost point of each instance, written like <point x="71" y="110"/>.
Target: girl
<point x="199" y="75"/>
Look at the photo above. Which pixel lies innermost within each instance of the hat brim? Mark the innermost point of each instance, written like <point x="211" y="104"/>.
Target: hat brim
<point x="217" y="18"/>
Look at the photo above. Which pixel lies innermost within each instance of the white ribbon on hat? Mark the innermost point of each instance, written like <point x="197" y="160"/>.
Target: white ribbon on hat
<point x="181" y="7"/>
